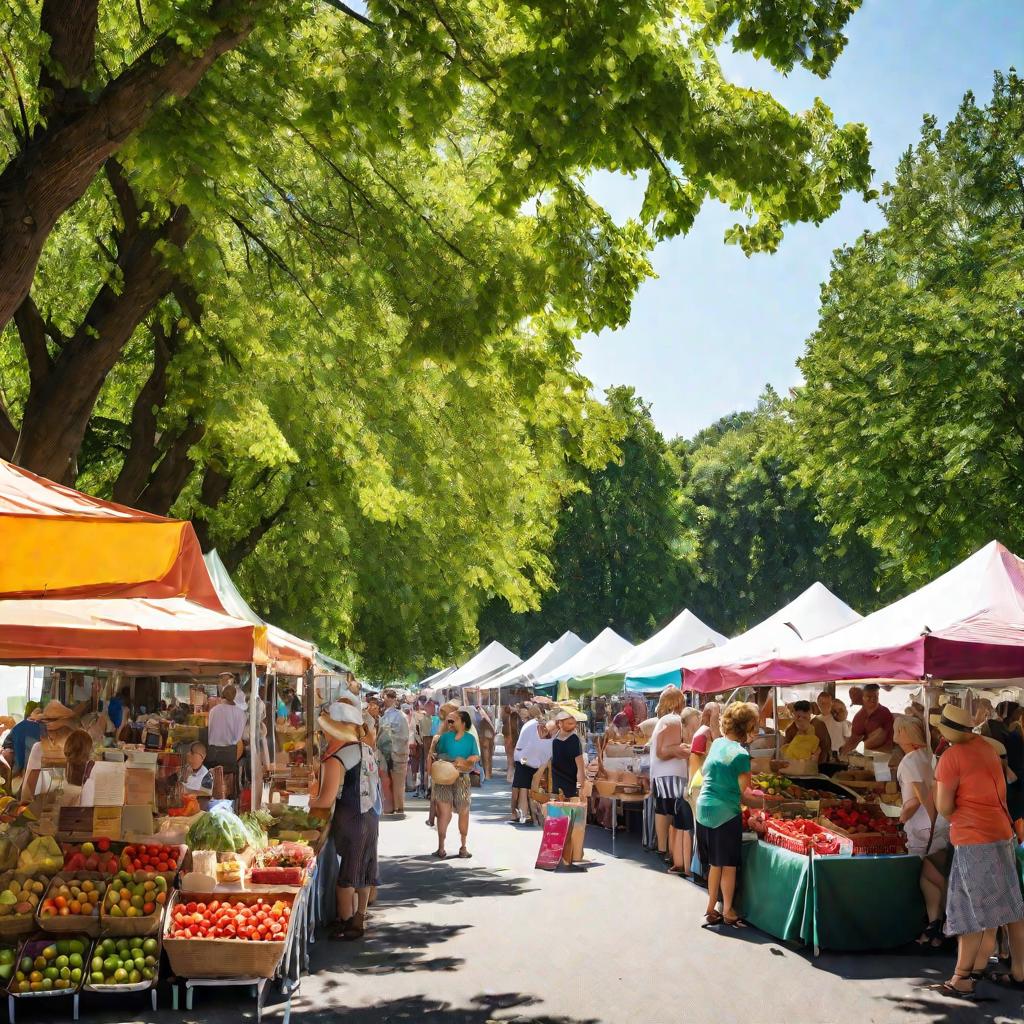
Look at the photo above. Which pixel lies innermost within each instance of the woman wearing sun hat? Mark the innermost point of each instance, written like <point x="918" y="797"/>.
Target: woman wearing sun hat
<point x="983" y="892"/>
<point x="59" y="722"/>
<point x="350" y="787"/>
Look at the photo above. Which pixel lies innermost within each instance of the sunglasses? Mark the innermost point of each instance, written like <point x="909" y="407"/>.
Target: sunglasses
<point x="449" y="721"/>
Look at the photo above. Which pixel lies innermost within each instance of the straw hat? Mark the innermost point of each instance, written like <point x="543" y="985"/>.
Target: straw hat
<point x="956" y="724"/>
<point x="56" y="712"/>
<point x="342" y="720"/>
<point x="444" y="773"/>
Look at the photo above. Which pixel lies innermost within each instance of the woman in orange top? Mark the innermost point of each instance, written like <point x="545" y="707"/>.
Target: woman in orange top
<point x="983" y="892"/>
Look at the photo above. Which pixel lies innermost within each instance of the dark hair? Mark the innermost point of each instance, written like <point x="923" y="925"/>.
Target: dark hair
<point x="870" y="688"/>
<point x="77" y="754"/>
<point x="802" y="705"/>
<point x="194" y="748"/>
<point x="1005" y="710"/>
<point x="389" y="693"/>
<point x="467" y="721"/>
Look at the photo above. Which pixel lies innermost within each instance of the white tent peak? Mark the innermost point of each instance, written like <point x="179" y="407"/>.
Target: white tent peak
<point x="604" y="650"/>
<point x="550" y="656"/>
<point x="814" y="613"/>
<point x="485" y="662"/>
<point x="684" y="635"/>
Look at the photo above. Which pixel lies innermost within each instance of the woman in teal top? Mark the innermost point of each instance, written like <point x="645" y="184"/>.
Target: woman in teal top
<point x="719" y="818"/>
<point x="459" y="746"/>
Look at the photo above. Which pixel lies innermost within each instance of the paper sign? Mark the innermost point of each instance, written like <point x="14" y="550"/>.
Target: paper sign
<point x="139" y="786"/>
<point x="552" y="843"/>
<point x="107" y="783"/>
<point x="106" y="821"/>
<point x="883" y="773"/>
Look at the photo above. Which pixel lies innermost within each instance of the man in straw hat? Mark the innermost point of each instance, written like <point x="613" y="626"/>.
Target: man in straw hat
<point x="984" y="892"/>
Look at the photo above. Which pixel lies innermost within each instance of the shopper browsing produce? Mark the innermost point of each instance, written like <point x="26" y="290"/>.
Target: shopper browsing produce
<point x="984" y="891"/>
<point x="872" y="724"/>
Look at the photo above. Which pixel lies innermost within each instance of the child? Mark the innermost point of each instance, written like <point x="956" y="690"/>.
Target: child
<point x="198" y="778"/>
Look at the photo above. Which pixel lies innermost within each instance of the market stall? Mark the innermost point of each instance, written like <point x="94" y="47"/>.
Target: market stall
<point x="966" y="628"/>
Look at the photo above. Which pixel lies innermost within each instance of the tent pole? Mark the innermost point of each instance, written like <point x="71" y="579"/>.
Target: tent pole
<point x="254" y="758"/>
<point x="926" y="700"/>
<point x="775" y="720"/>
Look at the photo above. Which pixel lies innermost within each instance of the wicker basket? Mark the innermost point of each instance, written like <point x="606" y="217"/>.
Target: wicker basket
<point x="33" y="947"/>
<point x="20" y="924"/>
<point x="73" y="923"/>
<point x="606" y="787"/>
<point x="223" y="958"/>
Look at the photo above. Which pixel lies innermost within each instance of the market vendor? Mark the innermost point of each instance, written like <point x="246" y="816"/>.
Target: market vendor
<point x="872" y="724"/>
<point x="803" y="724"/>
<point x="59" y="722"/>
<point x="20" y="739"/>
<point x="197" y="778"/>
<point x="225" y="728"/>
<point x="832" y="714"/>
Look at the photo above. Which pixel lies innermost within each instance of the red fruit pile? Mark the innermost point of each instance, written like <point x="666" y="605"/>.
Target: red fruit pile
<point x="224" y="919"/>
<point x="858" y="820"/>
<point x="94" y="855"/>
<point x="809" y="833"/>
<point x="149" y="857"/>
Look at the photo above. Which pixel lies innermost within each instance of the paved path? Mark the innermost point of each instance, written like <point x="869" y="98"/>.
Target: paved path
<point x="491" y="939"/>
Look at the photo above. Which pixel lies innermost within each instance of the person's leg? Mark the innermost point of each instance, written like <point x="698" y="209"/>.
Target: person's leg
<point x="675" y="845"/>
<point x="514" y="811"/>
<point x="933" y="889"/>
<point x="687" y="852"/>
<point x="463" y="829"/>
<point x="398" y="785"/>
<point x="661" y="823"/>
<point x="714" y="882"/>
<point x="728" y="893"/>
<point x="444" y="816"/>
<point x="1015" y="933"/>
<point x="988" y="946"/>
<point x="346" y="902"/>
<point x="968" y="947"/>
<point x="356" y="926"/>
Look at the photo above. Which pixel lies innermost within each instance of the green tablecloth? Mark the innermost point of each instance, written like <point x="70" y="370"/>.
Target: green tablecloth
<point x="840" y="903"/>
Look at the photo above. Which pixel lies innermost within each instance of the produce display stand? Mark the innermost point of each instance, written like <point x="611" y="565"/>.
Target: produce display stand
<point x="32" y="946"/>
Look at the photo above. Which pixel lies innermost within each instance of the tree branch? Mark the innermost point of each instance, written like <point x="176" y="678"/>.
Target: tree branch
<point x="345" y="9"/>
<point x="237" y="552"/>
<point x="32" y="332"/>
<point x="71" y="26"/>
<point x="124" y="194"/>
<point x="170" y="475"/>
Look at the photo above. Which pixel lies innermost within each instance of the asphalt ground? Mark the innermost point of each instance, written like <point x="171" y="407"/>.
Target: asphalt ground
<point x="492" y="939"/>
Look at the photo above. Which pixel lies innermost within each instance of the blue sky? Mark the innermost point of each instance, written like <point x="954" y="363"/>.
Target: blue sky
<point x="715" y="327"/>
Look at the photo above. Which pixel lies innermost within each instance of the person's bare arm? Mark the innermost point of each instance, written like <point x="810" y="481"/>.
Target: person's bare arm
<point x="331" y="779"/>
<point x="670" y="743"/>
<point x="945" y="799"/>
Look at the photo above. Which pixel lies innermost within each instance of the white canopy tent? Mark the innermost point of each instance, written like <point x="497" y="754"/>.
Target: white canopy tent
<point x="815" y="613"/>
<point x="549" y="657"/>
<point x="493" y="657"/>
<point x="607" y="648"/>
<point x="685" y="634"/>
<point x="436" y="679"/>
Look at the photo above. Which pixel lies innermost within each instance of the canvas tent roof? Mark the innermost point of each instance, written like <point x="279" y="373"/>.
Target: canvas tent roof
<point x="967" y="624"/>
<point x="684" y="635"/>
<point x="549" y="657"/>
<point x="512" y="676"/>
<point x="814" y="613"/>
<point x="92" y="631"/>
<point x="291" y="655"/>
<point x="493" y="656"/>
<point x="60" y="543"/>
<point x="605" y="649"/>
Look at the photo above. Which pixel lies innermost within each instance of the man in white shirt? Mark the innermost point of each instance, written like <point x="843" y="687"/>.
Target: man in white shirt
<point x="533" y="750"/>
<point x="225" y="729"/>
<point x="394" y="720"/>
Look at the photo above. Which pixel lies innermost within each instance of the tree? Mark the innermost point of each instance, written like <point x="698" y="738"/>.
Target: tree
<point x="910" y="424"/>
<point x="561" y="89"/>
<point x="754" y="538"/>
<point x="615" y="560"/>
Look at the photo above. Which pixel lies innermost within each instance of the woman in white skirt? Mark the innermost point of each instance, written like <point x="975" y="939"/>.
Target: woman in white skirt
<point x="983" y="893"/>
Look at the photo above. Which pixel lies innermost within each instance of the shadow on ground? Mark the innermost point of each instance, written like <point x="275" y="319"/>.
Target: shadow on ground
<point x="421" y="1010"/>
<point x="424" y="879"/>
<point x="390" y="949"/>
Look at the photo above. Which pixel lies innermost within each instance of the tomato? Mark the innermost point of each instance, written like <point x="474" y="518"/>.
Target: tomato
<point x="190" y="907"/>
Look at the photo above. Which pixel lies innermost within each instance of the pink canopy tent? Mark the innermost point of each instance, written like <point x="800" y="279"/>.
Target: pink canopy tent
<point x="966" y="625"/>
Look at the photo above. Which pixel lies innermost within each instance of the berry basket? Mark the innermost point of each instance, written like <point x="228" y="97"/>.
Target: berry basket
<point x="797" y="844"/>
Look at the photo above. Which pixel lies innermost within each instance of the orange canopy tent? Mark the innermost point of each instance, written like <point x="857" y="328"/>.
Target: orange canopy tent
<point x="84" y="580"/>
<point x="58" y="542"/>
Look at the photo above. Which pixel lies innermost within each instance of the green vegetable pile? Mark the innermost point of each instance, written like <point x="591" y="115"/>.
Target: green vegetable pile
<point x="224" y="831"/>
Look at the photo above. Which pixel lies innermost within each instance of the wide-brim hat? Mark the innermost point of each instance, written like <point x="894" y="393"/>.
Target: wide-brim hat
<point x="55" y="711"/>
<point x="955" y="724"/>
<point x="444" y="773"/>
<point x="343" y="732"/>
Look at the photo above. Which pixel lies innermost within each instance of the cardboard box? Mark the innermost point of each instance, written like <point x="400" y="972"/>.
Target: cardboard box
<point x="106" y="821"/>
<point x="140" y="786"/>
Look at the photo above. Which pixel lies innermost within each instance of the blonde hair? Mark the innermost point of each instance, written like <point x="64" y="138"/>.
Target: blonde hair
<point x="911" y="726"/>
<point x="840" y="706"/>
<point x="670" y="702"/>
<point x="739" y="720"/>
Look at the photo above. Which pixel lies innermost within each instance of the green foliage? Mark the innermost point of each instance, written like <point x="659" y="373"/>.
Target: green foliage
<point x="755" y="539"/>
<point x="616" y="558"/>
<point x="911" y="423"/>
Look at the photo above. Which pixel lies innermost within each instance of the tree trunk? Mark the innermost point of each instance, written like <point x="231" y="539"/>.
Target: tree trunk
<point x="142" y="448"/>
<point x="63" y="154"/>
<point x="173" y="471"/>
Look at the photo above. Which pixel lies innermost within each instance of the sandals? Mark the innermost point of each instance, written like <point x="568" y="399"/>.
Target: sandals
<point x="932" y="937"/>
<point x="950" y="989"/>
<point x="439" y="854"/>
<point x="337" y="933"/>
<point x="673" y="870"/>
<point x="712" y="918"/>
<point x="735" y="922"/>
<point x="464" y="854"/>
